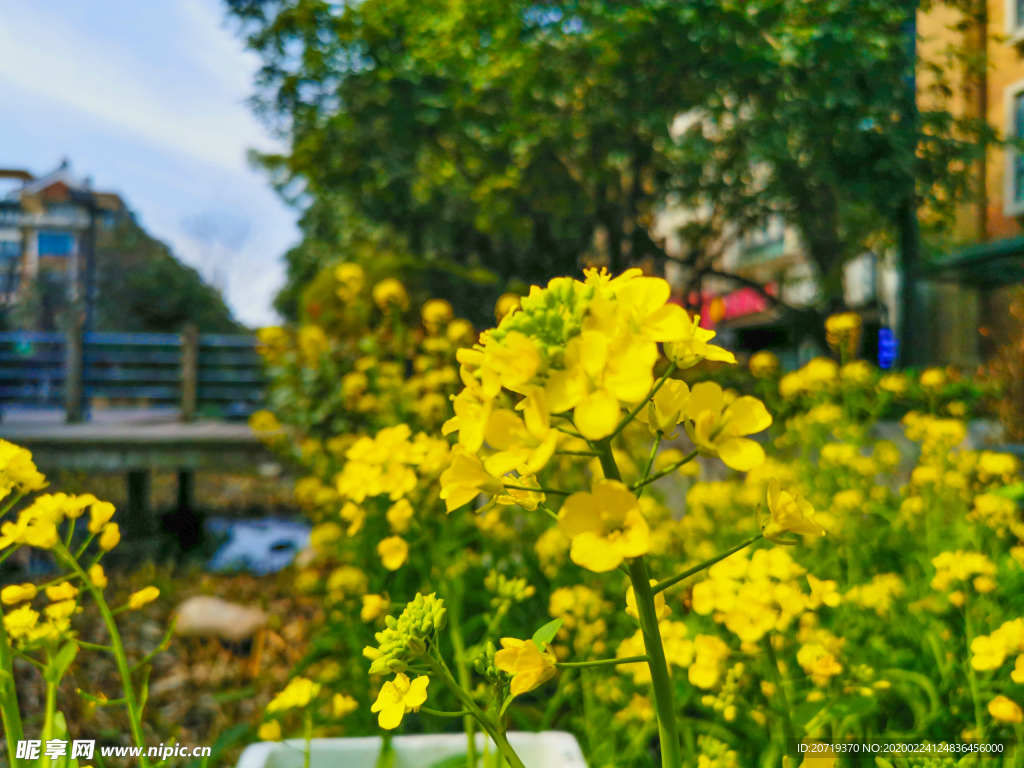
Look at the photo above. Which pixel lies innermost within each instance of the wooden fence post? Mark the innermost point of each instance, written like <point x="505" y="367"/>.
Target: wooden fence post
<point x="189" y="371"/>
<point x="73" y="385"/>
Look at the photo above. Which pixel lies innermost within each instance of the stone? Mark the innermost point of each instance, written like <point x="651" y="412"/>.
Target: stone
<point x="206" y="616"/>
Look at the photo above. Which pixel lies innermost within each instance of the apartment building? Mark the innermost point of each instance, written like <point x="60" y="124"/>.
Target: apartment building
<point x="46" y="226"/>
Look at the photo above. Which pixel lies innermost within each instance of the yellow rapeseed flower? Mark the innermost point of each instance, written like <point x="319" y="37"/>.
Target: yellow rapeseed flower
<point x="144" y="596"/>
<point x="297" y="694"/>
<point x="18" y="593"/>
<point x="350" y="277"/>
<point x="763" y="364"/>
<point x="1005" y="710"/>
<point x="465" y="479"/>
<point x="100" y="515"/>
<point x="605" y="526"/>
<point x="342" y="704"/>
<point x="20" y="622"/>
<point x="18" y="471"/>
<point x="666" y="408"/>
<point x="373" y="606"/>
<point x="269" y="731"/>
<point x="390" y="292"/>
<point x="790" y="513"/>
<point x="399" y="515"/>
<point x="933" y="378"/>
<point x="529" y="666"/>
<point x="660" y="608"/>
<point x="110" y="537"/>
<point x="63" y="591"/>
<point x="398" y="697"/>
<point x="97" y="576"/>
<point x="693" y="347"/>
<point x="507" y="302"/>
<point x="717" y="430"/>
<point x="393" y="551"/>
<point x="435" y="313"/>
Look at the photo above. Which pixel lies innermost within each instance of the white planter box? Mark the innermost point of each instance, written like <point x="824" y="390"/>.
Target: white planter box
<point x="548" y="749"/>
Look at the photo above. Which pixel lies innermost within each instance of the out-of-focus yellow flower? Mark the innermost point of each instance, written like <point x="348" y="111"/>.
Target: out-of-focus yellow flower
<point x="933" y="378"/>
<point x="398" y="516"/>
<point x="1005" y="710"/>
<point x="63" y="591"/>
<point x="313" y="344"/>
<point x="20" y="621"/>
<point x="460" y="331"/>
<point x="342" y="705"/>
<point x="269" y="731"/>
<point x="763" y="364"/>
<point x="661" y="610"/>
<point x="823" y="592"/>
<point x="721" y="431"/>
<point x="997" y="465"/>
<point x="347" y="580"/>
<point x="373" y="606"/>
<point x="605" y="526"/>
<point x="1017" y="675"/>
<point x="18" y="471"/>
<point x="389" y="293"/>
<point x="710" y="651"/>
<point x="393" y="551"/>
<point x="987" y="653"/>
<point x="858" y="372"/>
<point x="397" y="698"/>
<point x="818" y="662"/>
<point x="100" y="515"/>
<point x="17" y="593"/>
<point x="110" y="537"/>
<point x="355" y="516"/>
<point x="144" y="596"/>
<point x="894" y="383"/>
<point x="959" y="566"/>
<point x="296" y="695"/>
<point x="97" y="576"/>
<point x="435" y="313"/>
<point x="789" y="513"/>
<point x="842" y="331"/>
<point x="506" y="303"/>
<point x="666" y="408"/>
<point x="350" y="277"/>
<point x="529" y="666"/>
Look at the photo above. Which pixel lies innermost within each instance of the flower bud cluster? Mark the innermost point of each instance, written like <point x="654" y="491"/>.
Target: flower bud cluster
<point x="408" y="635"/>
<point x="485" y="666"/>
<point x="505" y="589"/>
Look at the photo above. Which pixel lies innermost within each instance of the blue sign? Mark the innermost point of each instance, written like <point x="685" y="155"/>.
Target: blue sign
<point x="888" y="348"/>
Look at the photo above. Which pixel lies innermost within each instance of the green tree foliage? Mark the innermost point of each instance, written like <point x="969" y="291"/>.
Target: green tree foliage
<point x="141" y="287"/>
<point x="527" y="137"/>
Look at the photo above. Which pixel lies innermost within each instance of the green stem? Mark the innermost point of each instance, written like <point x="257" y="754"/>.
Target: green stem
<point x="441" y="671"/>
<point x="636" y="409"/>
<point x="650" y="462"/>
<point x="439" y="713"/>
<point x="576" y="453"/>
<point x="51" y="713"/>
<point x="663" y="585"/>
<point x="668" y="726"/>
<point x="307" y="734"/>
<point x="601" y="662"/>
<point x="787" y="725"/>
<point x="537" y="490"/>
<point x="117" y="647"/>
<point x="555" y="701"/>
<point x="11" y="714"/>
<point x="465" y="676"/>
<point x="971" y="677"/>
<point x="666" y="471"/>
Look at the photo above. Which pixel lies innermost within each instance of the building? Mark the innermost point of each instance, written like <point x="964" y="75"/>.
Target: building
<point x="47" y="226"/>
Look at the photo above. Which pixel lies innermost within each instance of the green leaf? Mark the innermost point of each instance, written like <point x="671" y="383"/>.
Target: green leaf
<point x="59" y="664"/>
<point x="547" y="633"/>
<point x="1014" y="491"/>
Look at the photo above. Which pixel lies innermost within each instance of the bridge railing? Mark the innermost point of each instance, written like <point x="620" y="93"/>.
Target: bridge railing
<point x="202" y="374"/>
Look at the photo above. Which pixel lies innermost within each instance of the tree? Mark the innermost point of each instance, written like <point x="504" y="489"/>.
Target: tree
<point x="528" y="137"/>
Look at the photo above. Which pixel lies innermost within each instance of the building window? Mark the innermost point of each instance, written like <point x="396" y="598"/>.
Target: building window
<point x="9" y="249"/>
<point x="56" y="243"/>
<point x="1017" y="21"/>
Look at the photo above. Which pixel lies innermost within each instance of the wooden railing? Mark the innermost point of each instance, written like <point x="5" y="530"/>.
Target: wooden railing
<point x="202" y="374"/>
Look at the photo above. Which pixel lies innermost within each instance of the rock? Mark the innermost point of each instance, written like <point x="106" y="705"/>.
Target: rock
<point x="206" y="616"/>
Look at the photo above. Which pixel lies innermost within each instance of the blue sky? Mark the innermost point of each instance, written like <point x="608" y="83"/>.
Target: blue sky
<point x="148" y="98"/>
